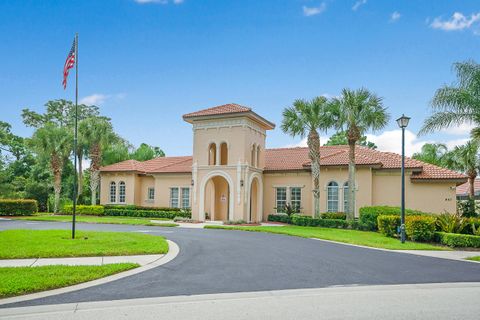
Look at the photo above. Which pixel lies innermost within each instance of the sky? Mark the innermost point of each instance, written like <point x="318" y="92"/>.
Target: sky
<point x="147" y="62"/>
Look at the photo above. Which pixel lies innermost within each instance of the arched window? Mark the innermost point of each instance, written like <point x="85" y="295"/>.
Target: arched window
<point x="223" y="154"/>
<point x="212" y="154"/>
<point x="332" y="197"/>
<point x="258" y="157"/>
<point x="253" y="156"/>
<point x="346" y="196"/>
<point x="113" y="192"/>
<point x="121" y="192"/>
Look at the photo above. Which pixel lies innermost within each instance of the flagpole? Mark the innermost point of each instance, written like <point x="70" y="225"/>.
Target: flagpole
<point x="75" y="139"/>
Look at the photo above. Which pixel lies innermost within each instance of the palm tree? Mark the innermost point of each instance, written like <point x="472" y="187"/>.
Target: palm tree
<point x="434" y="153"/>
<point x="466" y="159"/>
<point x="97" y="132"/>
<point x="356" y="112"/>
<point x="305" y="118"/>
<point x="53" y="143"/>
<point x="457" y="104"/>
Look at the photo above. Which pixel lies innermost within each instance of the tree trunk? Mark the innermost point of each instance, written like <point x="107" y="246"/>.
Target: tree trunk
<point x="351" y="181"/>
<point x="80" y="174"/>
<point x="313" y="143"/>
<point x="57" y="168"/>
<point x="471" y="180"/>
<point x="95" y="157"/>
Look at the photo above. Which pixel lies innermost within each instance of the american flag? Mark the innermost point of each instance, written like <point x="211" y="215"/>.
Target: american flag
<point x="69" y="64"/>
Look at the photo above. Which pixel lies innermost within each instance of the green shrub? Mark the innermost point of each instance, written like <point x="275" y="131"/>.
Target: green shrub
<point x="334" y="215"/>
<point x="467" y="208"/>
<point x="147" y="213"/>
<point x="369" y="215"/>
<point x="388" y="225"/>
<point x="279" y="218"/>
<point x="307" y="221"/>
<point x="18" y="207"/>
<point x="420" y="228"/>
<point x="84" y="210"/>
<point x="357" y="225"/>
<point x="451" y="223"/>
<point x="134" y="207"/>
<point x="183" y="219"/>
<point x="457" y="240"/>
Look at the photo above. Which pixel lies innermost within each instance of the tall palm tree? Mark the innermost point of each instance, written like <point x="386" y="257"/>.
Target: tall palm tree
<point x="459" y="103"/>
<point x="466" y="159"/>
<point x="53" y="143"/>
<point x="356" y="112"/>
<point x="305" y="118"/>
<point x="97" y="132"/>
<point x="434" y="153"/>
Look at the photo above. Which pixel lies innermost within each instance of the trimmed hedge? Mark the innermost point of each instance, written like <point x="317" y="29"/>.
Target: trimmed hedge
<point x="420" y="228"/>
<point x="369" y="215"/>
<point x="457" y="240"/>
<point x="18" y="207"/>
<point x="134" y="207"/>
<point x="279" y="218"/>
<point x="334" y="215"/>
<point x="307" y="221"/>
<point x="147" y="213"/>
<point x="388" y="225"/>
<point x="84" y="210"/>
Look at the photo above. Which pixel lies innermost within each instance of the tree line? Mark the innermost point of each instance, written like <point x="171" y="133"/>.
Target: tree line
<point x="40" y="167"/>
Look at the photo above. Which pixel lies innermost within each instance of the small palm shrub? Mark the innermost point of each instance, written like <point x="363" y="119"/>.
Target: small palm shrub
<point x="451" y="223"/>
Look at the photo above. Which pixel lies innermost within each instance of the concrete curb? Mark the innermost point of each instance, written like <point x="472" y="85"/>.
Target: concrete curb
<point x="172" y="253"/>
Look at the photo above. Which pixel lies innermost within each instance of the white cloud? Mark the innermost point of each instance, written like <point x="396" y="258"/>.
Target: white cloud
<point x="159" y="1"/>
<point x="358" y="4"/>
<point x="457" y="22"/>
<point x="461" y="130"/>
<point x="99" y="99"/>
<point x="395" y="16"/>
<point x="312" y="11"/>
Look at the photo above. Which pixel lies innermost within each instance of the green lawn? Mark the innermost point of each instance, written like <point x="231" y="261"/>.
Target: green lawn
<point x="97" y="219"/>
<point x="16" y="244"/>
<point x="16" y="281"/>
<point x="364" y="238"/>
<point x="476" y="258"/>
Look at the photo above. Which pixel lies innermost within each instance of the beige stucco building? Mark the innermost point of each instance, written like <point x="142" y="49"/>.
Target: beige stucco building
<point x="232" y="176"/>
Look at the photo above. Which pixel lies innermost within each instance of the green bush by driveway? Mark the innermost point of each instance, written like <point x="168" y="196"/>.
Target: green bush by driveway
<point x="17" y="244"/>
<point x="18" y="207"/>
<point x="457" y="240"/>
<point x="83" y="209"/>
<point x="369" y="215"/>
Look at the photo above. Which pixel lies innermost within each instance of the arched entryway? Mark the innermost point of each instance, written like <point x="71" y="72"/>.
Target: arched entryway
<point x="255" y="196"/>
<point x="216" y="197"/>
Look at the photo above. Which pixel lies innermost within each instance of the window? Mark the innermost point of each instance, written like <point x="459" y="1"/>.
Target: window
<point x="113" y="192"/>
<point x="296" y="198"/>
<point x="257" y="163"/>
<point x="212" y="154"/>
<point x="345" y="197"/>
<point x="332" y="197"/>
<point x="186" y="198"/>
<point x="281" y="199"/>
<point x="223" y="154"/>
<point x="121" y="192"/>
<point x="253" y="156"/>
<point x="174" y="197"/>
<point x="151" y="194"/>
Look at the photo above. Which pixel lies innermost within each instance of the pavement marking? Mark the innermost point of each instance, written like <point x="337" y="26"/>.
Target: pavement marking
<point x="172" y="254"/>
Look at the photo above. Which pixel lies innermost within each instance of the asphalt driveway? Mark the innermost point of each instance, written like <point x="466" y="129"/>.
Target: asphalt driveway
<point x="221" y="261"/>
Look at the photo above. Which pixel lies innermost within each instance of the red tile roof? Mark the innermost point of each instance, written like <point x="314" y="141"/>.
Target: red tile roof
<point x="464" y="189"/>
<point x="223" y="109"/>
<point x="285" y="159"/>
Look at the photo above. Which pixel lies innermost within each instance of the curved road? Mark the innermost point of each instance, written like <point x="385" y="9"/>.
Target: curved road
<point x="221" y="261"/>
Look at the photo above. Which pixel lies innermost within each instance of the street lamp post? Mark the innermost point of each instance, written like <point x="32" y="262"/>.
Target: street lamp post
<point x="403" y="123"/>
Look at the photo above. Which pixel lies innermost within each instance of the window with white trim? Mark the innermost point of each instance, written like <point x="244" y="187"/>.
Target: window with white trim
<point x="296" y="198"/>
<point x="346" y="196"/>
<point x="173" y="197"/>
<point x="121" y="192"/>
<point x="281" y="199"/>
<point x="332" y="197"/>
<point x="186" y="198"/>
<point x="113" y="192"/>
<point x="151" y="193"/>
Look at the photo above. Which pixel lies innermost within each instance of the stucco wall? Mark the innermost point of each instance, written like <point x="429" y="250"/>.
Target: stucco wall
<point x="131" y="184"/>
<point x="435" y="197"/>
<point x="163" y="183"/>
